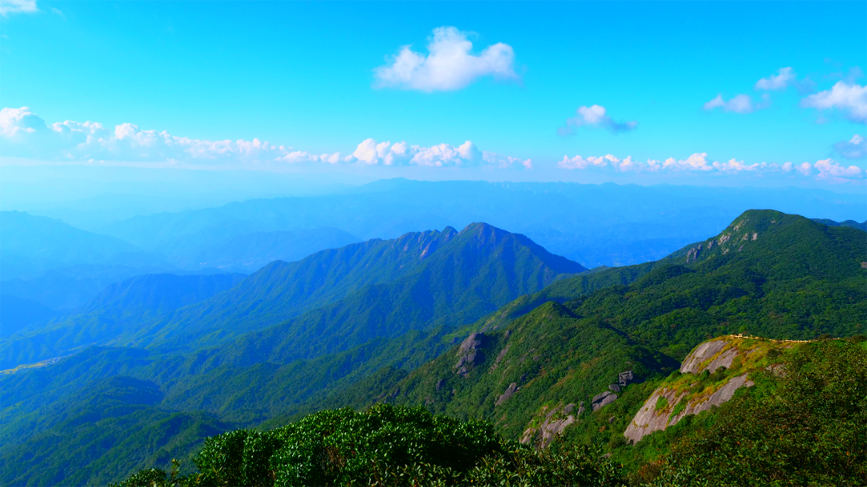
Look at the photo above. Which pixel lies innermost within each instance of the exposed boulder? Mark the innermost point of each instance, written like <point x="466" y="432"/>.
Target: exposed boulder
<point x="614" y="387"/>
<point x="555" y="422"/>
<point x="507" y="394"/>
<point x="626" y="378"/>
<point x="470" y="353"/>
<point x="603" y="399"/>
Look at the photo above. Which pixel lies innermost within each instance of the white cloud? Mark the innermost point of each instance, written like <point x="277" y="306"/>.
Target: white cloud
<point x="847" y="97"/>
<point x="450" y="65"/>
<point x="854" y="148"/>
<point x="17" y="6"/>
<point x="699" y="163"/>
<point x="780" y="81"/>
<point x="25" y="134"/>
<point x="738" y="104"/>
<point x="440" y="155"/>
<point x="829" y="169"/>
<point x="595" y="116"/>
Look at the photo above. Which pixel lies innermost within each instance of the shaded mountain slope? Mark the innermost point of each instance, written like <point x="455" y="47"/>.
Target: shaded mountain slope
<point x="121" y="308"/>
<point x="17" y="313"/>
<point x="845" y="223"/>
<point x="121" y="412"/>
<point x="394" y="286"/>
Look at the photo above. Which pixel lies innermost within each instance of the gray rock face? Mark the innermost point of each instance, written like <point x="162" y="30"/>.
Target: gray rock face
<point x="648" y="419"/>
<point x="626" y="378"/>
<point x="506" y="395"/>
<point x="469" y="353"/>
<point x="614" y="387"/>
<point x="472" y="342"/>
<point x="555" y="422"/>
<point x="602" y="400"/>
<point x="692" y="362"/>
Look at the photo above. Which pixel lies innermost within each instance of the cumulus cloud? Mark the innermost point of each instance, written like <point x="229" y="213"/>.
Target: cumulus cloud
<point x="826" y="169"/>
<point x="829" y="169"/>
<point x="784" y="78"/>
<point x="25" y="134"/>
<point x="449" y="64"/>
<point x="595" y="116"/>
<point x="738" y="104"/>
<point x="849" y="98"/>
<point x="854" y="148"/>
<point x="17" y="7"/>
<point x="441" y="155"/>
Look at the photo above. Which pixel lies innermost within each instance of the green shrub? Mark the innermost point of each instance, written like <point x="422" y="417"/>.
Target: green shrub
<point x="385" y="446"/>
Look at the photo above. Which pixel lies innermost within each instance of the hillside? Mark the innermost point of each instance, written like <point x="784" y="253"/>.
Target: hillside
<point x="30" y="245"/>
<point x="120" y="308"/>
<point x="771" y="285"/>
<point x="17" y="313"/>
<point x="542" y="364"/>
<point x="375" y="289"/>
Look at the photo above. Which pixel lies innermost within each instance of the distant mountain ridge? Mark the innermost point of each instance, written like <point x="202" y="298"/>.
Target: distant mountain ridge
<point x="418" y="280"/>
<point x="604" y="224"/>
<point x="32" y="244"/>
<point x="120" y="308"/>
<point x="846" y="223"/>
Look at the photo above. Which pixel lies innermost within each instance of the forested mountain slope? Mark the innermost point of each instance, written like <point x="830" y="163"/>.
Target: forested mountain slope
<point x="385" y="288"/>
<point x="768" y="274"/>
<point x="119" y="309"/>
<point x="527" y="367"/>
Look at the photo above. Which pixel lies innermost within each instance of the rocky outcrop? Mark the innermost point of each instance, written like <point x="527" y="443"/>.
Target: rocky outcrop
<point x="650" y="419"/>
<point x="470" y="353"/>
<point x="695" y="362"/>
<point x="603" y="399"/>
<point x="555" y="422"/>
<point x="513" y="387"/>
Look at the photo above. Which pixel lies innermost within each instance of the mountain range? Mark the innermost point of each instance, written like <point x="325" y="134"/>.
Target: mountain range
<point x="480" y="323"/>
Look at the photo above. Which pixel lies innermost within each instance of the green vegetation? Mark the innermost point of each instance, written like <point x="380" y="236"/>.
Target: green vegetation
<point x="537" y="359"/>
<point x="367" y="290"/>
<point x="804" y="424"/>
<point x="121" y="308"/>
<point x="384" y="446"/>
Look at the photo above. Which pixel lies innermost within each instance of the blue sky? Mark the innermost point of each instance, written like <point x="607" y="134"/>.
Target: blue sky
<point x="317" y="79"/>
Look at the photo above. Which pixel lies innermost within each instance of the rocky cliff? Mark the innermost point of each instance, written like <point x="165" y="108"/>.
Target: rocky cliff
<point x="709" y="376"/>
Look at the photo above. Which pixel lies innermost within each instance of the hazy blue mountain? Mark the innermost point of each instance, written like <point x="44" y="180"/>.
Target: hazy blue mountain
<point x="385" y="288"/>
<point x="249" y="252"/>
<point x="17" y="313"/>
<point x="30" y="245"/>
<point x="70" y="287"/>
<point x="847" y="223"/>
<point x="595" y="225"/>
<point x="119" y="309"/>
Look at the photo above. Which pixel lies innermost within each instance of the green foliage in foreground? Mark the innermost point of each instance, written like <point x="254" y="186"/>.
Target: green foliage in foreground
<point x="386" y="445"/>
<point x="804" y="423"/>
